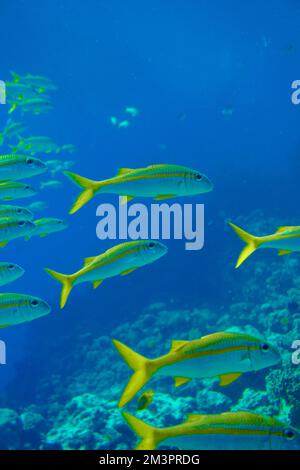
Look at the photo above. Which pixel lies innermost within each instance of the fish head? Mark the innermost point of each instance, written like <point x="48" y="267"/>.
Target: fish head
<point x="263" y="354"/>
<point x="28" y="191"/>
<point x="24" y="214"/>
<point x="57" y="224"/>
<point x="150" y="251"/>
<point x="285" y="438"/>
<point x="13" y="271"/>
<point x="198" y="183"/>
<point x="23" y="227"/>
<point x="36" y="307"/>
<point x="36" y="166"/>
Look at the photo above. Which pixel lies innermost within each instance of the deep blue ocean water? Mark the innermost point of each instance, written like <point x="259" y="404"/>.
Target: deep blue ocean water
<point x="181" y="64"/>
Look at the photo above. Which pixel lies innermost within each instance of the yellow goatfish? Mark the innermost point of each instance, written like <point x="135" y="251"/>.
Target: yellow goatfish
<point x="224" y="355"/>
<point x="226" y="431"/>
<point x="286" y="240"/>
<point x="155" y="181"/>
<point x="121" y="259"/>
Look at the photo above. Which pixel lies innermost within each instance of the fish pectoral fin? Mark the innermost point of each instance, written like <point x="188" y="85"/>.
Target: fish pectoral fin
<point x="176" y="345"/>
<point x="227" y="379"/>
<point x="3" y="244"/>
<point x="97" y="283"/>
<point x="125" y="199"/>
<point x="124" y="171"/>
<point x="43" y="234"/>
<point x="128" y="271"/>
<point x="284" y="252"/>
<point x="181" y="381"/>
<point x="163" y="196"/>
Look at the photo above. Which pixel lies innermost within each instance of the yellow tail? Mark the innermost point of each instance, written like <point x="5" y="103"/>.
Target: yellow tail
<point x="148" y="434"/>
<point x="252" y="243"/>
<point x="66" y="282"/>
<point x="143" y="371"/>
<point x="90" y="188"/>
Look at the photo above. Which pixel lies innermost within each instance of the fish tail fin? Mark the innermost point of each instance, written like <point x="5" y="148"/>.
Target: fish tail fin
<point x="12" y="108"/>
<point x="67" y="285"/>
<point x="142" y="371"/>
<point x="89" y="189"/>
<point x="252" y="243"/>
<point x="149" y="434"/>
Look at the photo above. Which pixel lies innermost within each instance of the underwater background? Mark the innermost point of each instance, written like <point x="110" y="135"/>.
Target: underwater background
<point x="212" y="83"/>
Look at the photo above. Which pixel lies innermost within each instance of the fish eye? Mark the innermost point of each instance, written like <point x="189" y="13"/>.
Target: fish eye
<point x="151" y="245"/>
<point x="21" y="223"/>
<point x="27" y="187"/>
<point x="265" y="347"/>
<point x="29" y="161"/>
<point x="34" y="303"/>
<point x="289" y="434"/>
<point x="19" y="211"/>
<point x="198" y="177"/>
<point x="10" y="266"/>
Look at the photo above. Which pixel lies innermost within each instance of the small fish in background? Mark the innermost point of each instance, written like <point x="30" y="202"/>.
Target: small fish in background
<point x="145" y="400"/>
<point x="225" y="431"/>
<point x="16" y="167"/>
<point x="132" y="111"/>
<point x="155" y="181"/>
<point x="33" y="105"/>
<point x="11" y="228"/>
<point x="68" y="148"/>
<point x="10" y="272"/>
<point x="227" y="110"/>
<point x="51" y="184"/>
<point x="15" y="212"/>
<point x="58" y="166"/>
<point x="114" y="120"/>
<point x="124" y="124"/>
<point x="37" y="206"/>
<point x="286" y="240"/>
<point x="21" y="308"/>
<point x="46" y="226"/>
<point x="34" y="145"/>
<point x="120" y="260"/>
<point x="37" y="82"/>
<point x="18" y="92"/>
<point x="223" y="355"/>
<point x="12" y="129"/>
<point x="10" y="190"/>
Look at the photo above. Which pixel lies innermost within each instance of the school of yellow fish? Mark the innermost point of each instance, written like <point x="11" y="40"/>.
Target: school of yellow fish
<point x="223" y="355"/>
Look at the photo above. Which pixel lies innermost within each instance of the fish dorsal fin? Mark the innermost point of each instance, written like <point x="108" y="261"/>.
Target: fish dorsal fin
<point x="125" y="199"/>
<point x="128" y="271"/>
<point x="181" y="381"/>
<point x="124" y="171"/>
<point x="97" y="283"/>
<point x="284" y="252"/>
<point x="191" y="418"/>
<point x="227" y="379"/>
<point x="288" y="229"/>
<point x="176" y="345"/>
<point x="89" y="260"/>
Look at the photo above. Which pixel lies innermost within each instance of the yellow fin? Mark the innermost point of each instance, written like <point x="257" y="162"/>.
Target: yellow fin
<point x="2" y="244"/>
<point x="192" y="417"/>
<point x="67" y="285"/>
<point x="176" y="345"/>
<point x="148" y="434"/>
<point x="165" y="196"/>
<point x="4" y="326"/>
<point x="125" y="199"/>
<point x="128" y="271"/>
<point x="181" y="381"/>
<point x="252" y="243"/>
<point x="287" y="229"/>
<point x="89" y="260"/>
<point x="284" y="252"/>
<point x="97" y="283"/>
<point x="124" y="171"/>
<point x="227" y="379"/>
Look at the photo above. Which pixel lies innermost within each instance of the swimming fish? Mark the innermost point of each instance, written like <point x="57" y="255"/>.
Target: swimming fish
<point x="225" y="431"/>
<point x="34" y="145"/>
<point x="132" y="111"/>
<point x="286" y="240"/>
<point x="37" y="206"/>
<point x="16" y="212"/>
<point x="37" y="82"/>
<point x="70" y="148"/>
<point x="9" y="272"/>
<point x="17" y="167"/>
<point x="35" y="105"/>
<point x="11" y="129"/>
<point x="121" y="259"/>
<point x="124" y="124"/>
<point x="52" y="184"/>
<point x="15" y="190"/>
<point x="155" y="181"/>
<point x="46" y="226"/>
<point x="20" y="308"/>
<point x="223" y="355"/>
<point x="11" y="228"/>
<point x="57" y="166"/>
<point x="145" y="400"/>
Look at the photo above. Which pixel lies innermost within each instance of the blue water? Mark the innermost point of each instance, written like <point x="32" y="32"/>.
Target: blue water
<point x="181" y="64"/>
